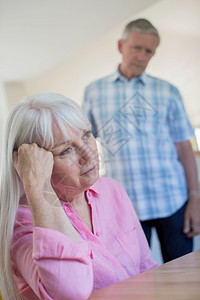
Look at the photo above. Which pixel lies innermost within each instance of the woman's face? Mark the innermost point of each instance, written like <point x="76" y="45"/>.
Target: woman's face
<point x="76" y="163"/>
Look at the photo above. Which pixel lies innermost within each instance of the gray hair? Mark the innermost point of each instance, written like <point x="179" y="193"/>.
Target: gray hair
<point x="29" y="122"/>
<point x="142" y="26"/>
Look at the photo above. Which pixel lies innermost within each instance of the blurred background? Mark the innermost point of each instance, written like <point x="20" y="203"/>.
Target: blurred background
<point x="62" y="45"/>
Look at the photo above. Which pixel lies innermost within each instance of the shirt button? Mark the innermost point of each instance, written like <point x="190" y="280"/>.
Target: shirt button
<point x="97" y="234"/>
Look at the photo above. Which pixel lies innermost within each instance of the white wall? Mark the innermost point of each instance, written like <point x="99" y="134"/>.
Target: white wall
<point x="71" y="75"/>
<point x="3" y="111"/>
<point x="14" y="92"/>
<point x="177" y="58"/>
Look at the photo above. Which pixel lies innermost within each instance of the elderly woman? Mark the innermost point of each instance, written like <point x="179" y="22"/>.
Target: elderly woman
<point x="65" y="232"/>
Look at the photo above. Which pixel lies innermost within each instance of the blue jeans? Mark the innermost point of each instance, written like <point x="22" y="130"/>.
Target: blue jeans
<point x="174" y="243"/>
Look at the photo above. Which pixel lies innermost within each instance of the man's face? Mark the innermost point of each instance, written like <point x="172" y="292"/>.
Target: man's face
<point x="136" y="52"/>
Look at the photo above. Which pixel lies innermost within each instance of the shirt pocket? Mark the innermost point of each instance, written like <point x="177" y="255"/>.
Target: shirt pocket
<point x="127" y="251"/>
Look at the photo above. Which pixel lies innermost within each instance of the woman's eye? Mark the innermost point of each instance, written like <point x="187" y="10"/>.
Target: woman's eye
<point x="87" y="135"/>
<point x="66" y="151"/>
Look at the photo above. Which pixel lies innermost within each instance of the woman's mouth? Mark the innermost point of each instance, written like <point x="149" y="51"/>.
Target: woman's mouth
<point x="89" y="171"/>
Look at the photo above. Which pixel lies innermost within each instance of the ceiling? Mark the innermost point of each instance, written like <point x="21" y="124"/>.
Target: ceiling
<point x="35" y="35"/>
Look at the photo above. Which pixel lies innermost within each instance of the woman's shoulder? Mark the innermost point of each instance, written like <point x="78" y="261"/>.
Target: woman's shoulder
<point x="107" y="182"/>
<point x="114" y="198"/>
<point x="109" y="186"/>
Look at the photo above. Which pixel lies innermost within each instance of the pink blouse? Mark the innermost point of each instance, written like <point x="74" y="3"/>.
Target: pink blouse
<point x="49" y="265"/>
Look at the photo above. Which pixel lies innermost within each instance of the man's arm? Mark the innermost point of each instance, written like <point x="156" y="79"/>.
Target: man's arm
<point x="192" y="212"/>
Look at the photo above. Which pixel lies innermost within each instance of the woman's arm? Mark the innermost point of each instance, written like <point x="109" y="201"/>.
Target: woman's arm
<point x="51" y="258"/>
<point x="52" y="264"/>
<point x="34" y="167"/>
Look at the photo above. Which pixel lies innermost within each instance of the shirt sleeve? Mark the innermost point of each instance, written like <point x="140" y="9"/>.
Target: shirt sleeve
<point x="179" y="124"/>
<point x="53" y="265"/>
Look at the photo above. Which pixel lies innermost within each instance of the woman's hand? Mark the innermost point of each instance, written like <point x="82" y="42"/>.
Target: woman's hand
<point x="34" y="165"/>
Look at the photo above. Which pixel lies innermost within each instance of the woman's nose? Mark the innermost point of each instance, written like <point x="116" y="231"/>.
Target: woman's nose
<point x="85" y="155"/>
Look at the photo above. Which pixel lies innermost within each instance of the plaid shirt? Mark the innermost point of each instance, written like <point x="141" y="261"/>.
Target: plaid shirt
<point x="138" y="122"/>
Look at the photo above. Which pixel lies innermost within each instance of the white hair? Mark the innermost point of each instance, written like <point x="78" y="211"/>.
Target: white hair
<point x="29" y="122"/>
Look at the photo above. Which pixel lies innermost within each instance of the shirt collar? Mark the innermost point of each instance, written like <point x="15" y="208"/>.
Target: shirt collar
<point x="118" y="76"/>
<point x="96" y="187"/>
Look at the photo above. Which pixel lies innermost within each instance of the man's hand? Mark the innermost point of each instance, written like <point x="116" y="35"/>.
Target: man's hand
<point x="192" y="216"/>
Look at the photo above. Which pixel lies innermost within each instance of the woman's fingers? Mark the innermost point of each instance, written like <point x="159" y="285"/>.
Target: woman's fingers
<point x="33" y="164"/>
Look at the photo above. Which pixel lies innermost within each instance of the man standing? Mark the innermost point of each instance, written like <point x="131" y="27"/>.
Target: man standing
<point x="145" y="135"/>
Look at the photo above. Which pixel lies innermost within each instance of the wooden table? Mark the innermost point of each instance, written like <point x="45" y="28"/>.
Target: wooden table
<point x="178" y="279"/>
